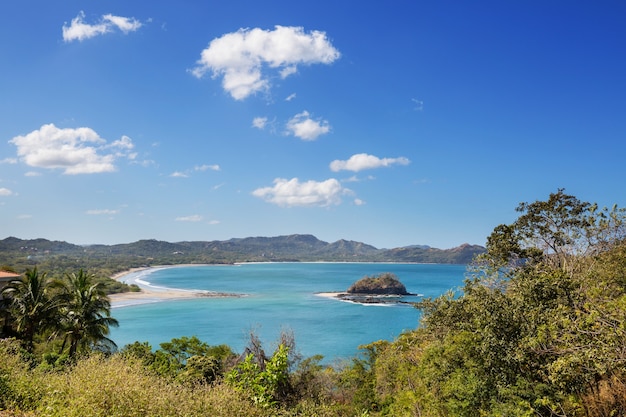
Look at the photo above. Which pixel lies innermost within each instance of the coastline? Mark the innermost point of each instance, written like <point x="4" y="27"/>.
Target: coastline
<point x="153" y="294"/>
<point x="366" y="299"/>
<point x="331" y="294"/>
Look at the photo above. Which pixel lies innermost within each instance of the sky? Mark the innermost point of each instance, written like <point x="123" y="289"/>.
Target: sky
<point x="390" y="123"/>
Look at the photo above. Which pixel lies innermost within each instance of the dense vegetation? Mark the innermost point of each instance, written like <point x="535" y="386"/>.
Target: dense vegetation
<point x="61" y="317"/>
<point x="538" y="330"/>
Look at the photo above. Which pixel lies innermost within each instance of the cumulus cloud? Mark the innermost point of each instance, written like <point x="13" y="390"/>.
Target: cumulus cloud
<point x="75" y="151"/>
<point x="78" y="30"/>
<point x="192" y="218"/>
<point x="290" y="193"/>
<point x="259" y="122"/>
<point x="178" y="174"/>
<point x="363" y="161"/>
<point x="5" y="192"/>
<point x="304" y="127"/>
<point x="242" y="58"/>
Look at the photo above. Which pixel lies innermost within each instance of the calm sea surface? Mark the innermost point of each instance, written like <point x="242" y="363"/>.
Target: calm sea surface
<point x="280" y="296"/>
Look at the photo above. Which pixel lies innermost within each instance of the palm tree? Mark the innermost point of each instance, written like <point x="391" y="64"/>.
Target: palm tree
<point x="31" y="305"/>
<point x="85" y="314"/>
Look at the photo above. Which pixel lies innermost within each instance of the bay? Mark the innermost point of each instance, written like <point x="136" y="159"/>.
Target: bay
<point x="280" y="297"/>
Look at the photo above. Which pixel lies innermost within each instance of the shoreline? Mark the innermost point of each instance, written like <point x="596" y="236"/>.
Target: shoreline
<point x="367" y="299"/>
<point x="151" y="294"/>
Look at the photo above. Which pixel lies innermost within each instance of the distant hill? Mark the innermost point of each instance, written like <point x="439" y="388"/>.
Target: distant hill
<point x="63" y="256"/>
<point x="424" y="254"/>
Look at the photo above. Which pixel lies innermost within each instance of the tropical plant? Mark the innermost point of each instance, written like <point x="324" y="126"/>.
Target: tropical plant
<point x="32" y="307"/>
<point x="265" y="385"/>
<point x="85" y="314"/>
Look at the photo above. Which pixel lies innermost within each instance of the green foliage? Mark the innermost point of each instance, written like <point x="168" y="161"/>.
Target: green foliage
<point x="31" y="306"/>
<point x="264" y="385"/>
<point x="538" y="330"/>
<point x="75" y="310"/>
<point x="186" y="359"/>
<point x="52" y="361"/>
<point x="85" y="313"/>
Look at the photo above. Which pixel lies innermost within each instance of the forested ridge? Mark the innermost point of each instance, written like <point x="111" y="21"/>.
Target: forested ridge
<point x="251" y="249"/>
<point x="539" y="329"/>
<point x="59" y="258"/>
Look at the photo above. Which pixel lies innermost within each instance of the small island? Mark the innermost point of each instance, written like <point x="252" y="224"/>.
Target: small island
<point x="384" y="288"/>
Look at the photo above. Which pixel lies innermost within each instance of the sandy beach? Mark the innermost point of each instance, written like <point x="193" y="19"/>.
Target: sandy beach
<point x="330" y="294"/>
<point x="153" y="294"/>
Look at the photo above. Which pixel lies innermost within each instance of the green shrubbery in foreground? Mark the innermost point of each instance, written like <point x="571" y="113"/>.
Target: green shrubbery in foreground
<point x="539" y="329"/>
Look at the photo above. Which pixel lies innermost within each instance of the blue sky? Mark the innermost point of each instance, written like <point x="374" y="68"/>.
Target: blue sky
<point x="390" y="123"/>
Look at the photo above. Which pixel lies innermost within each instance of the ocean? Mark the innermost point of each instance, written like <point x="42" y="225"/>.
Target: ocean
<point x="280" y="297"/>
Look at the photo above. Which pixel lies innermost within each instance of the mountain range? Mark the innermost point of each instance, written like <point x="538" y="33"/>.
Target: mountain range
<point x="291" y="248"/>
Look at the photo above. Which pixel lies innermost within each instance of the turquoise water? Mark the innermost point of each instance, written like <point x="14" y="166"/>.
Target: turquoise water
<point x="280" y="296"/>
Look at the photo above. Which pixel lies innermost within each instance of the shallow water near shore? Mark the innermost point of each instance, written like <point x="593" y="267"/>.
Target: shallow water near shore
<point x="276" y="297"/>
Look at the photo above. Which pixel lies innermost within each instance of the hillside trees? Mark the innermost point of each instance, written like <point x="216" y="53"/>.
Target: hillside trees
<point x="75" y="310"/>
<point x="85" y="314"/>
<point x="32" y="305"/>
<point x="539" y="328"/>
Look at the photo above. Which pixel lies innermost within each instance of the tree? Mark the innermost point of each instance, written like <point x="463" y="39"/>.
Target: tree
<point x="558" y="233"/>
<point x="31" y="305"/>
<point x="85" y="314"/>
<point x="174" y="357"/>
<point x="538" y="329"/>
<point x="267" y="386"/>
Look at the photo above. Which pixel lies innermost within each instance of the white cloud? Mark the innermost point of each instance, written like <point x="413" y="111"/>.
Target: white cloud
<point x="32" y="174"/>
<point x="25" y="216"/>
<point x="123" y="143"/>
<point x="5" y="192"/>
<point x="290" y="97"/>
<point x="363" y="161"/>
<point x="302" y="126"/>
<point x="178" y="174"/>
<point x="259" y="122"/>
<point x="192" y="218"/>
<point x="99" y="212"/>
<point x="8" y="161"/>
<point x="242" y="57"/>
<point x="78" y="30"/>
<point x="76" y="151"/>
<point x="207" y="168"/>
<point x="287" y="71"/>
<point x="358" y="202"/>
<point x="125" y="24"/>
<point x="290" y="193"/>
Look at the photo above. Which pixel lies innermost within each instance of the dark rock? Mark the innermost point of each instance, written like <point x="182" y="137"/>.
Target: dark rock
<point x="385" y="283"/>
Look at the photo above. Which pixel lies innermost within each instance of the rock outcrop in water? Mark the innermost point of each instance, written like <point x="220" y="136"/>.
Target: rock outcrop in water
<point x="383" y="284"/>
